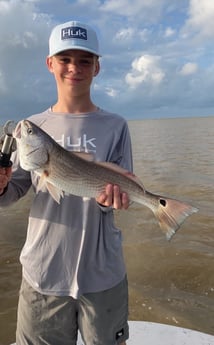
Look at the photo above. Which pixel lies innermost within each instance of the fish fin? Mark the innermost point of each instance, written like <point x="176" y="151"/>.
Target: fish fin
<point x="119" y="169"/>
<point x="84" y="155"/>
<point x="171" y="214"/>
<point x="55" y="192"/>
<point x="42" y="181"/>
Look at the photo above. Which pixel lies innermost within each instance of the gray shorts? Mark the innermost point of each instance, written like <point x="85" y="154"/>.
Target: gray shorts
<point x="100" y="317"/>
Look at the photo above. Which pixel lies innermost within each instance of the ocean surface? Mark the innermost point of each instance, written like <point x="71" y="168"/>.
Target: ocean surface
<point x="169" y="282"/>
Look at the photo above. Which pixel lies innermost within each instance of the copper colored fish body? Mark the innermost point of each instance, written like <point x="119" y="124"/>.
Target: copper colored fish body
<point x="76" y="173"/>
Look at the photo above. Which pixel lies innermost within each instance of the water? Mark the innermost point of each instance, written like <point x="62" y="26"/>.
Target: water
<point x="169" y="282"/>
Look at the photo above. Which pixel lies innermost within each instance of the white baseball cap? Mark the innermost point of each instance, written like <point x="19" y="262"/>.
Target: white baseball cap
<point x="73" y="35"/>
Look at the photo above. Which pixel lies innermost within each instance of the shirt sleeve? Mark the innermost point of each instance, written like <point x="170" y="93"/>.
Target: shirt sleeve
<point x="19" y="184"/>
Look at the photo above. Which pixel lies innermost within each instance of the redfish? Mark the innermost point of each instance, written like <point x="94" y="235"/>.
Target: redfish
<point x="77" y="173"/>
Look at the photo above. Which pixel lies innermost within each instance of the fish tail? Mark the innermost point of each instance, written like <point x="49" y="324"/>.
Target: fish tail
<point x="171" y="214"/>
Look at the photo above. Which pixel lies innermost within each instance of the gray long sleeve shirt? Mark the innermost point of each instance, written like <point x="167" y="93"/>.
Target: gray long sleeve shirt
<point x="73" y="247"/>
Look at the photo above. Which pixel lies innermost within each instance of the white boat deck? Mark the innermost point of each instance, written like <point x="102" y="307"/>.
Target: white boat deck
<point x="149" y="333"/>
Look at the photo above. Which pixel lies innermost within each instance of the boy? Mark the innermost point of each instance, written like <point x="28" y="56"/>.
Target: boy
<point x="74" y="275"/>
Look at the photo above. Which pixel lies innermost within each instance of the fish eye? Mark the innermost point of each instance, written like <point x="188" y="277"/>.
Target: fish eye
<point x="30" y="130"/>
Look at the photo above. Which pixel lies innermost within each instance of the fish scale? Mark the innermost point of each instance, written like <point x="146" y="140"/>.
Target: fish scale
<point x="92" y="182"/>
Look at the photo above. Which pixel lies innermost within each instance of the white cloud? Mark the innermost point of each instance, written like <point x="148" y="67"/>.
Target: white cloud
<point x="111" y="92"/>
<point x="169" y="32"/>
<point x="147" y="10"/>
<point x="201" y="19"/>
<point x="124" y="35"/>
<point x="21" y="26"/>
<point x="145" y="69"/>
<point x="189" y="68"/>
<point x="108" y="90"/>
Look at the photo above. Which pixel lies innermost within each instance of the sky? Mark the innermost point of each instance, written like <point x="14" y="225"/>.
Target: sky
<point x="157" y="56"/>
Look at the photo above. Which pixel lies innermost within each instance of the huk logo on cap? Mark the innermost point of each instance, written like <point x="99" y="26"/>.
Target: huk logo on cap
<point x="74" y="32"/>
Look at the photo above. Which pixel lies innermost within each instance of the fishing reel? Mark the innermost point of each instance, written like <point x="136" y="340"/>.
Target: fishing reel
<point x="7" y="144"/>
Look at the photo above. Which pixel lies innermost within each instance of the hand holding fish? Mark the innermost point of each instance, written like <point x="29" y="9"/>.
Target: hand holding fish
<point x="5" y="176"/>
<point x="112" y="196"/>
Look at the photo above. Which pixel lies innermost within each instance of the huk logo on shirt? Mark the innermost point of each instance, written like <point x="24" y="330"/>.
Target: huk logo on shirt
<point x="74" y="32"/>
<point x="83" y="143"/>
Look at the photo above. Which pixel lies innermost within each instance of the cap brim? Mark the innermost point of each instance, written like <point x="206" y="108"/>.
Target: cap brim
<point x="57" y="51"/>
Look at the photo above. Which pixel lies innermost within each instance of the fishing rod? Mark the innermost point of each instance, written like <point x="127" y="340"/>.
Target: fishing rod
<point x="8" y="144"/>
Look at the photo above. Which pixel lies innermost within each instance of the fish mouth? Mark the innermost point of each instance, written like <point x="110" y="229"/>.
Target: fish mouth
<point x="21" y="125"/>
<point x="18" y="131"/>
<point x="32" y="151"/>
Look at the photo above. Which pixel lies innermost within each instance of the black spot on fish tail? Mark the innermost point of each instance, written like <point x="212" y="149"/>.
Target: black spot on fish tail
<point x="46" y="173"/>
<point x="163" y="202"/>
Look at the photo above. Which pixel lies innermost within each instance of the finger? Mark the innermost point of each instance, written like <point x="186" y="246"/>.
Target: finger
<point x="2" y="171"/>
<point x="8" y="172"/>
<point x="116" y="197"/>
<point x="101" y="198"/>
<point x="109" y="195"/>
<point x="105" y="197"/>
<point x="125" y="200"/>
<point x="3" y="181"/>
